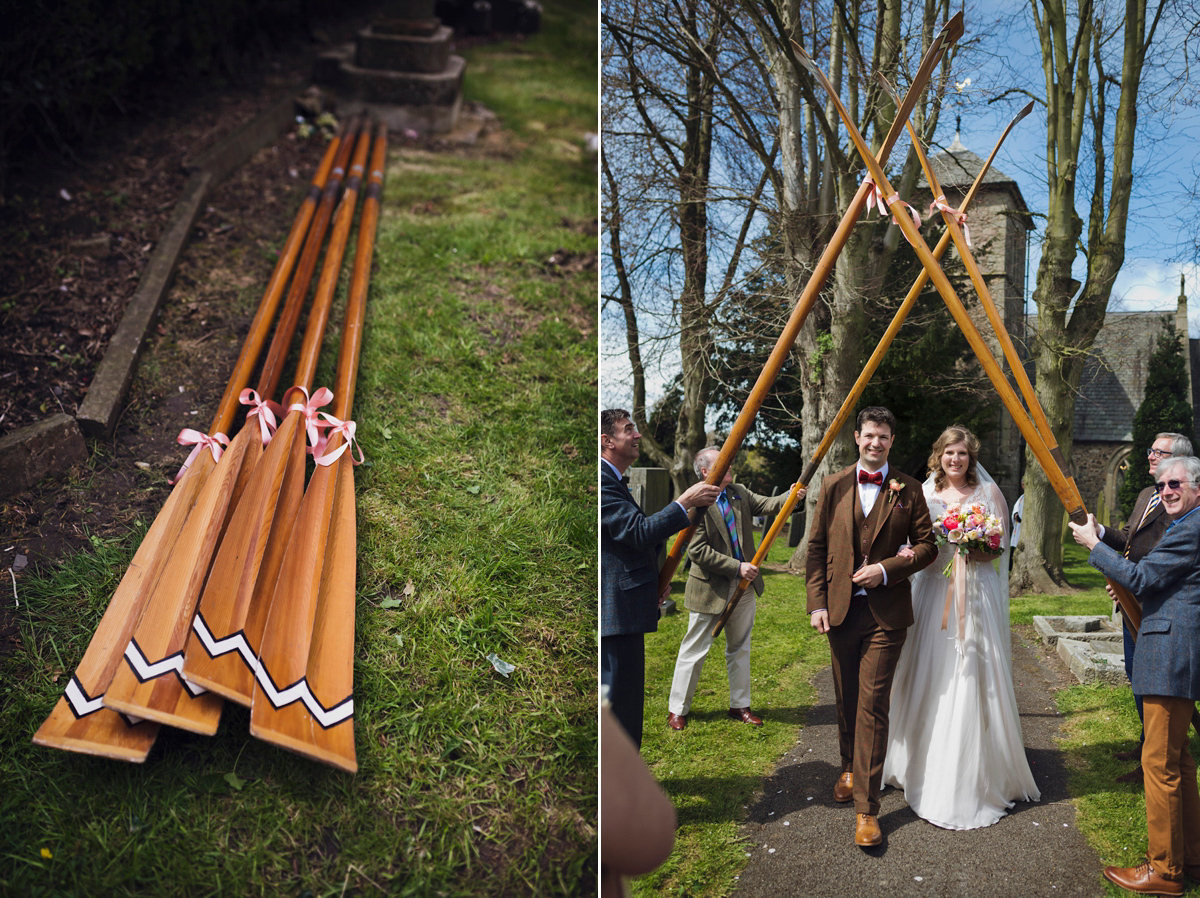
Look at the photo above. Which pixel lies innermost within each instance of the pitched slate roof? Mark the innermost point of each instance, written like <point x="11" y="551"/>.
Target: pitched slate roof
<point x="1114" y="375"/>
<point x="958" y="167"/>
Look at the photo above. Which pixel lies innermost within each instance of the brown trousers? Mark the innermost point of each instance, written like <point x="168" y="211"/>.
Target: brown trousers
<point x="1172" y="798"/>
<point x="864" y="662"/>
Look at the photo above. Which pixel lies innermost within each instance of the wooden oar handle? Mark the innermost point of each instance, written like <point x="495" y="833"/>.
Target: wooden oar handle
<point x="261" y="325"/>
<point x="331" y="267"/>
<point x="356" y="298"/>
<point x="281" y="343"/>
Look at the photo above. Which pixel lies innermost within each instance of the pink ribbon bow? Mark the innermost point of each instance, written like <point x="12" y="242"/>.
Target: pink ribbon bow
<point x="956" y="598"/>
<point x="310" y="408"/>
<point x="265" y="410"/>
<point x="885" y="204"/>
<point x="199" y="442"/>
<point x="960" y="217"/>
<point x="346" y="429"/>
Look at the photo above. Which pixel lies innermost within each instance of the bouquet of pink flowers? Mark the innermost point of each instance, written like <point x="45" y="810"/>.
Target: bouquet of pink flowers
<point x="969" y="527"/>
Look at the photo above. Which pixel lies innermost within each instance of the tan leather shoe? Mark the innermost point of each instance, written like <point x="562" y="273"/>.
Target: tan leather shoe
<point x="745" y="715"/>
<point x="843" y="789"/>
<point x="676" y="721"/>
<point x="1143" y="880"/>
<point x="867" y="831"/>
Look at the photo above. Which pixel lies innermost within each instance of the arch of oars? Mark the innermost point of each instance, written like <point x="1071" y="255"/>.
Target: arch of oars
<point x="876" y="190"/>
<point x="243" y="587"/>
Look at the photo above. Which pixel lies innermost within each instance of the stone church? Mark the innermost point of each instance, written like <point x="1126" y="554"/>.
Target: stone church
<point x="1114" y="377"/>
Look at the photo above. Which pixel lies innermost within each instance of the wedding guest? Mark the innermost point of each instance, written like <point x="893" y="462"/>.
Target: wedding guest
<point x="955" y="746"/>
<point x="630" y="542"/>
<point x="1145" y="527"/>
<point x="721" y="550"/>
<point x="858" y="594"/>
<point x="1166" y="674"/>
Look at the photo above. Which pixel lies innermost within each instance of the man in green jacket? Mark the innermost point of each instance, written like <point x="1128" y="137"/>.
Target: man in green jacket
<point x="720" y="551"/>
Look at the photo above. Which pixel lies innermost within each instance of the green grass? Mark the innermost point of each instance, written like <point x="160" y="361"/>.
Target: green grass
<point x="713" y="772"/>
<point x="476" y="406"/>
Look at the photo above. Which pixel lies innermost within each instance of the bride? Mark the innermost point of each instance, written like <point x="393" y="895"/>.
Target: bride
<point x="955" y="744"/>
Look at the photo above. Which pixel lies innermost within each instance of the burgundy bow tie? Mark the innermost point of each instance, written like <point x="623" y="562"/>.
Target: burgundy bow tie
<point x="876" y="478"/>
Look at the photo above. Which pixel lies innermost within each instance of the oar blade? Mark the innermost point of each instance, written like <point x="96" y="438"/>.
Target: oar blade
<point x="100" y="731"/>
<point x="331" y="655"/>
<point x="78" y="721"/>
<point x="302" y="700"/>
<point x="221" y="651"/>
<point x="150" y="683"/>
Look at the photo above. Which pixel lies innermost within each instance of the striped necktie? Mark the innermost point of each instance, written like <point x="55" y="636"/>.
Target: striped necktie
<point x="1154" y="502"/>
<point x="730" y="524"/>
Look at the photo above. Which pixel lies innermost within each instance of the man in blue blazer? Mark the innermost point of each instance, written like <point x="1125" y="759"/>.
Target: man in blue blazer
<point x="630" y="542"/>
<point x="1166" y="674"/>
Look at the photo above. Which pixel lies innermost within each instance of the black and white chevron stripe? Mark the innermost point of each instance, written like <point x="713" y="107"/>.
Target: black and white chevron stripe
<point x="146" y="670"/>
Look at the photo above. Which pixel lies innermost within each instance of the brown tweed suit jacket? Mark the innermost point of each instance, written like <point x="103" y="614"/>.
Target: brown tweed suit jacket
<point x="897" y="518"/>
<point x="1141" y="536"/>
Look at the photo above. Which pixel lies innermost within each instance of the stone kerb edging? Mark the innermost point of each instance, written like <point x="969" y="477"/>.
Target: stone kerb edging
<point x="54" y="445"/>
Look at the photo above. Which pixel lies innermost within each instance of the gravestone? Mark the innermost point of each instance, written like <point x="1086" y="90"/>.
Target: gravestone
<point x="401" y="69"/>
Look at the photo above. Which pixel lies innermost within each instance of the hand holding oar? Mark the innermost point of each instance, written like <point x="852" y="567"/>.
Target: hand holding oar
<point x="951" y="32"/>
<point x="856" y="391"/>
<point x="303" y="694"/>
<point x="222" y="652"/>
<point x="79" y="721"/>
<point x="151" y="684"/>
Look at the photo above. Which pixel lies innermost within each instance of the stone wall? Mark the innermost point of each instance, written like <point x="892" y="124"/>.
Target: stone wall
<point x="1096" y="466"/>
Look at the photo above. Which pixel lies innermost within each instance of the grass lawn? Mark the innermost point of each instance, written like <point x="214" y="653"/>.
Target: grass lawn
<point x="476" y="406"/>
<point x="713" y="772"/>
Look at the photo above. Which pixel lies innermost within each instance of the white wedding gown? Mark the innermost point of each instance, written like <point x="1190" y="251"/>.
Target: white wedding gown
<point x="954" y="743"/>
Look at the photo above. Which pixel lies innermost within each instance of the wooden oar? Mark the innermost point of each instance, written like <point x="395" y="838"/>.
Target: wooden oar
<point x="150" y="684"/>
<point x="79" y="721"/>
<point x="847" y="407"/>
<point x="950" y="32"/>
<point x="222" y="650"/>
<point x="303" y="693"/>
<point x="1129" y="605"/>
<point x="1050" y="460"/>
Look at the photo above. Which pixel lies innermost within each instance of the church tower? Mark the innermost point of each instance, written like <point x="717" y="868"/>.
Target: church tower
<point x="999" y="224"/>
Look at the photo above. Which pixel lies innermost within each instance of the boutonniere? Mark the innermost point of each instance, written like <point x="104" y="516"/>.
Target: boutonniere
<point x="894" y="488"/>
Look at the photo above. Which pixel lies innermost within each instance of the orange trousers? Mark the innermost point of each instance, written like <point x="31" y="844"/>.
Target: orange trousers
<point x="1172" y="797"/>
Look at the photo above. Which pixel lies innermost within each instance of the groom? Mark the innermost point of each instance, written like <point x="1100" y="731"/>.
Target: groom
<point x="858" y="593"/>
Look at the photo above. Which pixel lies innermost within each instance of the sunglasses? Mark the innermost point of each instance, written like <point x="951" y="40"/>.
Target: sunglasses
<point x="1172" y="484"/>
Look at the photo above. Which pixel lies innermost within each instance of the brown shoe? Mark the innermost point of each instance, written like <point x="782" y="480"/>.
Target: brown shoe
<point x="1192" y="870"/>
<point x="676" y="721"/>
<point x="843" y="789"/>
<point x="1134" y="776"/>
<point x="745" y="715"/>
<point x="1144" y="880"/>
<point x="1134" y="754"/>
<point x="866" y="830"/>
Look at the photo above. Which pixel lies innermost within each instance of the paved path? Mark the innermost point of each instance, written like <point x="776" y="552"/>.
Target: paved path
<point x="801" y="841"/>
